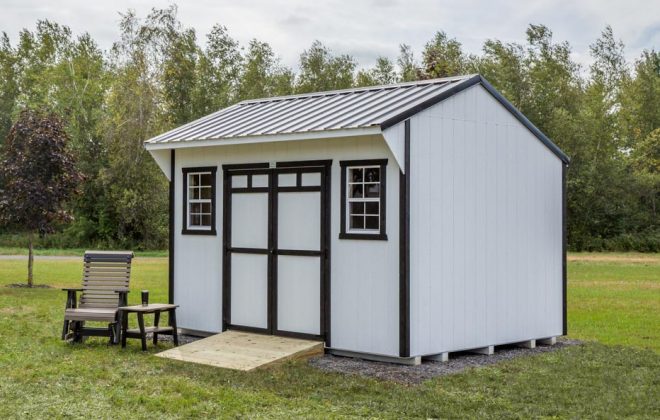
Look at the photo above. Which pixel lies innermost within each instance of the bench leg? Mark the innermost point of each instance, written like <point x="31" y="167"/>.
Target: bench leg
<point x="124" y="327"/>
<point x="175" y="333"/>
<point x="156" y="321"/>
<point x="113" y="327"/>
<point x="143" y="335"/>
<point x="78" y="336"/>
<point x="65" y="329"/>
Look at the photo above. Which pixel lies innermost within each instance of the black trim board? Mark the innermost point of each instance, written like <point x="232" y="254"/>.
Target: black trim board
<point x="170" y="262"/>
<point x="404" y="249"/>
<point x="478" y="79"/>
<point x="564" y="281"/>
<point x="184" y="221"/>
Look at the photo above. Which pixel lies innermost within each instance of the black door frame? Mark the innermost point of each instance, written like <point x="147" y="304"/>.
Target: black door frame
<point x="272" y="251"/>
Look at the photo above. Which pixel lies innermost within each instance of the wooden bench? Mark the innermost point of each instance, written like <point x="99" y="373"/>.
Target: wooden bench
<point x="106" y="276"/>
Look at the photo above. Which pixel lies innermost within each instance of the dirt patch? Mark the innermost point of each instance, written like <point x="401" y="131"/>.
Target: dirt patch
<point x="621" y="284"/>
<point x="413" y="375"/>
<point x="183" y="338"/>
<point x="25" y="286"/>
<point x="618" y="258"/>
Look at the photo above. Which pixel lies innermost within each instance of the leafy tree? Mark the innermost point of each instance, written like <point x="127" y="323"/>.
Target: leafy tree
<point x="262" y="75"/>
<point x="8" y="85"/>
<point x="218" y="73"/>
<point x="38" y="177"/>
<point x="320" y="70"/>
<point x="640" y="100"/>
<point x="645" y="162"/>
<point x="443" y="56"/>
<point x="382" y="73"/>
<point x="504" y="65"/>
<point x="408" y="69"/>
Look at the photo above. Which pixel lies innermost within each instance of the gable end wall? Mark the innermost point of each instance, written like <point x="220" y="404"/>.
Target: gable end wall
<point x="486" y="228"/>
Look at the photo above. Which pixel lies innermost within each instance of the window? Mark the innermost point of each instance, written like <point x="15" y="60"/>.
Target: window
<point x="363" y="199"/>
<point x="199" y="201"/>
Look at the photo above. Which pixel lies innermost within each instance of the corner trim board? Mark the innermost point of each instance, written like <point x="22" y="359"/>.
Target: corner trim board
<point x="170" y="255"/>
<point x="564" y="280"/>
<point x="404" y="249"/>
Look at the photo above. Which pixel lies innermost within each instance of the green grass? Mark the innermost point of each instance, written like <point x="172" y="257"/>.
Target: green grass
<point x="613" y="302"/>
<point x="74" y="252"/>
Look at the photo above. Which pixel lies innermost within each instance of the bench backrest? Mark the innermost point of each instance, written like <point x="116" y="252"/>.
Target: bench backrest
<point x="104" y="273"/>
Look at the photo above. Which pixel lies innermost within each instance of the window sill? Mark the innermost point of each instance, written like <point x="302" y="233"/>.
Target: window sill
<point x="367" y="236"/>
<point x="211" y="232"/>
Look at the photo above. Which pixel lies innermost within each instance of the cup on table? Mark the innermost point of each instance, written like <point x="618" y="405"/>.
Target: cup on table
<point x="145" y="297"/>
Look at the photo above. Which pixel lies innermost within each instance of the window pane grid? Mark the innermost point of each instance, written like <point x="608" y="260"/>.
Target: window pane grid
<point x="363" y="196"/>
<point x="200" y="200"/>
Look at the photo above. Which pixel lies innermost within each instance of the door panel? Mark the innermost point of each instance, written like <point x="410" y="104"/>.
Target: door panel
<point x="249" y="220"/>
<point x="299" y="221"/>
<point x="298" y="294"/>
<point x="276" y="250"/>
<point x="249" y="290"/>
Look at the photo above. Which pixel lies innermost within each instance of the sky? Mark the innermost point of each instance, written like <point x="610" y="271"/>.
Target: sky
<point x="364" y="29"/>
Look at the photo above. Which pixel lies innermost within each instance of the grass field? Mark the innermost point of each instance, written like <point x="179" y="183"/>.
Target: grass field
<point x="614" y="304"/>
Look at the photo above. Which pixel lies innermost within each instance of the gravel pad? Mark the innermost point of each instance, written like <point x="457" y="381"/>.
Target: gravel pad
<point x="413" y="375"/>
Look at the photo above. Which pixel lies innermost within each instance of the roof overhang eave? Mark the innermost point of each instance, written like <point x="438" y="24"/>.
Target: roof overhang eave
<point x="269" y="138"/>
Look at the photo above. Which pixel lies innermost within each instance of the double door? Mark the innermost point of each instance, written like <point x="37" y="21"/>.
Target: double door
<point x="276" y="249"/>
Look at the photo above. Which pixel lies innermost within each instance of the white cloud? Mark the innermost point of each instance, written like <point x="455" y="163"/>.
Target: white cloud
<point x="363" y="28"/>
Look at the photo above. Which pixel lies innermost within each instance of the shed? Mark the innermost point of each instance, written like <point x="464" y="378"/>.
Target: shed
<point x="391" y="222"/>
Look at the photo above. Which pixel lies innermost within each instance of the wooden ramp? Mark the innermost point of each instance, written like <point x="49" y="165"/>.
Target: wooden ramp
<point x="243" y="351"/>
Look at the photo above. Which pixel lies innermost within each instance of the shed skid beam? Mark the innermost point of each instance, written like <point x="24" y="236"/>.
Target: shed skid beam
<point x="440" y="357"/>
<point x="551" y="341"/>
<point x="488" y="350"/>
<point x="411" y="361"/>
<point x="529" y="344"/>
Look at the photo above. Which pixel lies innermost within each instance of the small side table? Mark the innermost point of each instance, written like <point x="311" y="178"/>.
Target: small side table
<point x="141" y="332"/>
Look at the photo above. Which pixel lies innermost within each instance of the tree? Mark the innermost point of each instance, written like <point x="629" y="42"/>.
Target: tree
<point x="38" y="176"/>
<point x="320" y="70"/>
<point x="443" y="56"/>
<point x="262" y="75"/>
<point x="408" y="70"/>
<point x="8" y="85"/>
<point x="218" y="72"/>
<point x="382" y="73"/>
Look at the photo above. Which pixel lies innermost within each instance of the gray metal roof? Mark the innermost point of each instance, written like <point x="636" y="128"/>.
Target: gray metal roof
<point x="323" y="113"/>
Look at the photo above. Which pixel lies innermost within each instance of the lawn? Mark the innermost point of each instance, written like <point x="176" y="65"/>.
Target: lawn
<point x="614" y="303"/>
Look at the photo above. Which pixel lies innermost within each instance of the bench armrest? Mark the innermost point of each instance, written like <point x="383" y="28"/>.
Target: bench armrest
<point x="71" y="300"/>
<point x="123" y="296"/>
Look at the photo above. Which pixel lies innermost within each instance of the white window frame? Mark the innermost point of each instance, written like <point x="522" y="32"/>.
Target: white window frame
<point x="363" y="199"/>
<point x="189" y="201"/>
<point x="347" y="184"/>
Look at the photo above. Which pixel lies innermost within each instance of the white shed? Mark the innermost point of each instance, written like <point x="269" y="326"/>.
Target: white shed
<point x="395" y="222"/>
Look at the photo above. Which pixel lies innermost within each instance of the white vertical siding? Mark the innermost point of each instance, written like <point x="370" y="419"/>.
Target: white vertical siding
<point x="364" y="273"/>
<point x="486" y="224"/>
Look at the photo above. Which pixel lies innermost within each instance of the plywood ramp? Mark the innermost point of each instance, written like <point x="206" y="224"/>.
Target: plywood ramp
<point x="243" y="351"/>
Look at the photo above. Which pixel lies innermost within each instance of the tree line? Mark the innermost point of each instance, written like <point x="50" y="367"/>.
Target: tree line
<point x="159" y="75"/>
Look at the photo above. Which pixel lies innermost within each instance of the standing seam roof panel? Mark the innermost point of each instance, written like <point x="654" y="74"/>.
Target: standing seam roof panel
<point x="218" y="130"/>
<point x="334" y="120"/>
<point x="303" y="114"/>
<point x="194" y="128"/>
<point x="401" y="103"/>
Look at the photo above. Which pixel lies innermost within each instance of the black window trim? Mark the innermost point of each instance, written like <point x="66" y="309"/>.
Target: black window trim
<point x="184" y="226"/>
<point x="382" y="235"/>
